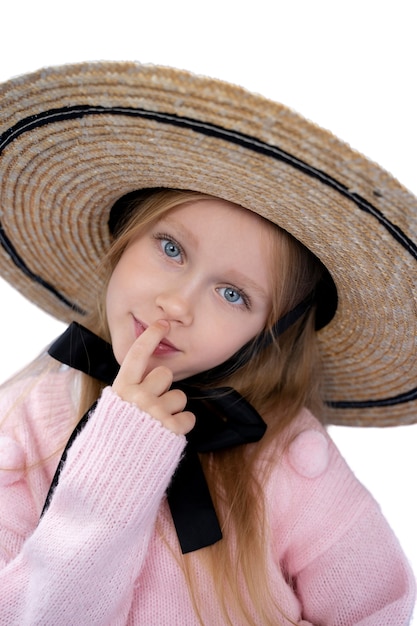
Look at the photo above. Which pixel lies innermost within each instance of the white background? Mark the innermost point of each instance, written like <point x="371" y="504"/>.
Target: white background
<point x="349" y="66"/>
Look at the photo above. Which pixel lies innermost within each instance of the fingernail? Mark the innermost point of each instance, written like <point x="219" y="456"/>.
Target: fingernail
<point x="164" y="323"/>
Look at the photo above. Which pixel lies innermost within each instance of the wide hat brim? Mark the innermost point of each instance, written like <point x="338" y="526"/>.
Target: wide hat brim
<point x="73" y="139"/>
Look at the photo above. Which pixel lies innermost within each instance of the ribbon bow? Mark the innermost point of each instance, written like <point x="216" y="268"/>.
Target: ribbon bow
<point x="223" y="419"/>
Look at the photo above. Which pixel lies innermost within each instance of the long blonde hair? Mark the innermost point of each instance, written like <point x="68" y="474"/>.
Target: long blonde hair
<point x="278" y="381"/>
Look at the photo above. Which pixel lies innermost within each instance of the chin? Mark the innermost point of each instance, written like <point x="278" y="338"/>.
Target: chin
<point x="120" y="353"/>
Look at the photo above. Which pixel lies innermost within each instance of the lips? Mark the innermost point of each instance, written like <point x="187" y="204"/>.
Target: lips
<point x="164" y="347"/>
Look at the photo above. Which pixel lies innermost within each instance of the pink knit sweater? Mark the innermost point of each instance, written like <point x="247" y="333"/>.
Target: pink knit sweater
<point x="106" y="551"/>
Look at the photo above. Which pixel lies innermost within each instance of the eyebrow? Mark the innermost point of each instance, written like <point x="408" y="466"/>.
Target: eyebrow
<point x="245" y="282"/>
<point x="181" y="229"/>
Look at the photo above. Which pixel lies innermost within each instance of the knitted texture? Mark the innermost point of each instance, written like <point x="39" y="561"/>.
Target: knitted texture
<point x="106" y="552"/>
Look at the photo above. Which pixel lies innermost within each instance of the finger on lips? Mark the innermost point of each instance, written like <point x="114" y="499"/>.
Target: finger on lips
<point x="151" y="392"/>
<point x="149" y="340"/>
<point x="137" y="358"/>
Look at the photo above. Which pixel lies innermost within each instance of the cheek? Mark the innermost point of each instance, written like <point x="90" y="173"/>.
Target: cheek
<point x="120" y="281"/>
<point x="224" y="340"/>
<point x="111" y="298"/>
<point x="116" y="296"/>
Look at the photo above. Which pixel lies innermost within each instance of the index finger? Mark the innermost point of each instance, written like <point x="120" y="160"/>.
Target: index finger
<point x="137" y="358"/>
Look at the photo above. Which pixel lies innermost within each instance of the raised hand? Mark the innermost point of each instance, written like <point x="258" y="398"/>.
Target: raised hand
<point x="151" y="391"/>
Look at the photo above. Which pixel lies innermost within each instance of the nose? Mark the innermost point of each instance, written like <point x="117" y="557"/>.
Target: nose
<point x="176" y="304"/>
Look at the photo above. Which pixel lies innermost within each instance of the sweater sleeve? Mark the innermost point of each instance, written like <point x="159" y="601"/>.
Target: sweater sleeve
<point x="362" y="580"/>
<point x="344" y="561"/>
<point x="80" y="563"/>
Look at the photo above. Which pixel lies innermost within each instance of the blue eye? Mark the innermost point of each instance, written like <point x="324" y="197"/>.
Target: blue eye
<point x="171" y="249"/>
<point x="232" y="295"/>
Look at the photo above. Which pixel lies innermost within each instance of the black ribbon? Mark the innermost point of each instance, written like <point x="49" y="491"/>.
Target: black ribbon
<point x="223" y="419"/>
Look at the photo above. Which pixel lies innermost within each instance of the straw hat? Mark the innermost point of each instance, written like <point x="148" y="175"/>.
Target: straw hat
<point x="74" y="139"/>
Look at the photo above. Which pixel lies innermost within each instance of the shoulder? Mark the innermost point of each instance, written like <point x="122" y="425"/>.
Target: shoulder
<point x="45" y="378"/>
<point x="308" y="458"/>
<point x="323" y="520"/>
<point x="308" y="451"/>
<point x="35" y="413"/>
<point x="313" y="497"/>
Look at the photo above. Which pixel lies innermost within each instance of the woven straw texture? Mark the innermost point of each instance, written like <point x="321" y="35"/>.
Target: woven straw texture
<point x="73" y="139"/>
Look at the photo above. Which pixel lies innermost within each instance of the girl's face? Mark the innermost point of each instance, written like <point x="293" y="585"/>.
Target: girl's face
<point x="204" y="267"/>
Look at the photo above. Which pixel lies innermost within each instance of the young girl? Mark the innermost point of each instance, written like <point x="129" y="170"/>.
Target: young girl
<point x="235" y="278"/>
